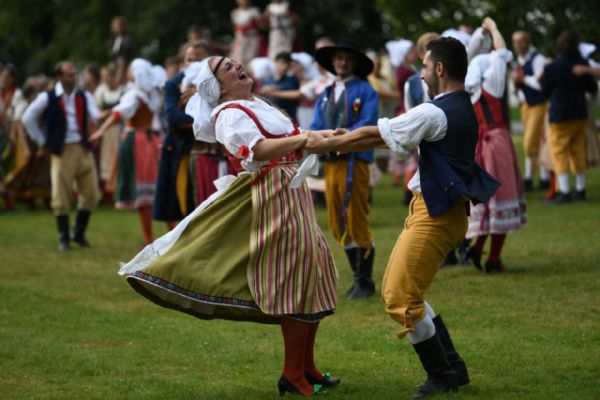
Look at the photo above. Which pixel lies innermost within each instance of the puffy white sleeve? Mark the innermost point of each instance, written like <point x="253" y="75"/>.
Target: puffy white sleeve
<point x="403" y="134"/>
<point x="238" y="133"/>
<point x="494" y="77"/>
<point x="31" y="115"/>
<point x="127" y="106"/>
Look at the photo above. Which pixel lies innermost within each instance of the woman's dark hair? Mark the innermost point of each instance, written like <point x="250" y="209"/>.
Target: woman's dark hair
<point x="452" y="54"/>
<point x="567" y="44"/>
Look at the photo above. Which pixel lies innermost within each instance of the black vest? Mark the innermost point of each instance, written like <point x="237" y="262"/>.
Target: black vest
<point x="55" y="122"/>
<point x="447" y="168"/>
<point x="532" y="96"/>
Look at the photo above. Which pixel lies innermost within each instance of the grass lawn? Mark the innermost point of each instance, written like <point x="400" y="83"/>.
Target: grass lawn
<point x="71" y="328"/>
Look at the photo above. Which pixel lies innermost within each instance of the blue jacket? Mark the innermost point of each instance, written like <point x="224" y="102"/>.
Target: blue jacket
<point x="177" y="142"/>
<point x="362" y="109"/>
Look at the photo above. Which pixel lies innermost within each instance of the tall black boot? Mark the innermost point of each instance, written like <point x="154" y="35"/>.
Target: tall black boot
<point x="81" y="223"/>
<point x="352" y="254"/>
<point x="456" y="362"/>
<point x="62" y="222"/>
<point x="441" y="377"/>
<point x="363" y="285"/>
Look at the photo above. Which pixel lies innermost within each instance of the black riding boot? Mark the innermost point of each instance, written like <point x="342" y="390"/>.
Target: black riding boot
<point x="81" y="223"/>
<point x="441" y="377"/>
<point x="62" y="222"/>
<point x="363" y="284"/>
<point x="456" y="362"/>
<point x="352" y="254"/>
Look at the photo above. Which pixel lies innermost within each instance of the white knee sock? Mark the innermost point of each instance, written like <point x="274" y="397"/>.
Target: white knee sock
<point x="429" y="310"/>
<point x="424" y="330"/>
<point x="563" y="182"/>
<point x="528" y="168"/>
<point x="580" y="182"/>
<point x="544" y="174"/>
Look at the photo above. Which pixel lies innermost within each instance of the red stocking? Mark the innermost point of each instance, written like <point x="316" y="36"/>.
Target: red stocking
<point x="309" y="362"/>
<point x="295" y="337"/>
<point x="146" y="220"/>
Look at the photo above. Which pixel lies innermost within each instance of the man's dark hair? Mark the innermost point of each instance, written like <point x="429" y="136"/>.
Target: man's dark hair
<point x="452" y="54"/>
<point x="284" y="56"/>
<point x="567" y="44"/>
<point x="58" y="68"/>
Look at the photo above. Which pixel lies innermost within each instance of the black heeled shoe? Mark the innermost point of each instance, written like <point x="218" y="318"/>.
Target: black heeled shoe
<point x="474" y="256"/>
<point x="494" y="266"/>
<point x="286" y="386"/>
<point x="327" y="381"/>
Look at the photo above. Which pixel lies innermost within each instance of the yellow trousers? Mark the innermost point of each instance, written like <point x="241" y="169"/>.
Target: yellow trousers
<point x="357" y="216"/>
<point x="533" y="127"/>
<point x="567" y="142"/>
<point x="416" y="257"/>
<point x="74" y="169"/>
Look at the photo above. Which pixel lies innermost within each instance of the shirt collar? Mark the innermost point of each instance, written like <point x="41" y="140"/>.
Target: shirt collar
<point x="345" y="80"/>
<point x="59" y="90"/>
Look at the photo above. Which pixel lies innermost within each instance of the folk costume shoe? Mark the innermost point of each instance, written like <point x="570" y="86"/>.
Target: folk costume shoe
<point x="456" y="362"/>
<point x="326" y="382"/>
<point x="62" y="222"/>
<point x="363" y="285"/>
<point x="475" y="257"/>
<point x="284" y="385"/>
<point x="441" y="377"/>
<point x="81" y="222"/>
<point x="494" y="266"/>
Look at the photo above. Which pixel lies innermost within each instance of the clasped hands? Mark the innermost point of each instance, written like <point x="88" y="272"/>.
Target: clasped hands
<point x="320" y="142"/>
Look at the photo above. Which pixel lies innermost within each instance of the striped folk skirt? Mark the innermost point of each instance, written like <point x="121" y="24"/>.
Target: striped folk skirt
<point x="255" y="253"/>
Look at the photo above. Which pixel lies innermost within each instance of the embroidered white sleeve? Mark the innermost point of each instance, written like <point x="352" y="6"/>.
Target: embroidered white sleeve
<point x="235" y="129"/>
<point x="403" y="134"/>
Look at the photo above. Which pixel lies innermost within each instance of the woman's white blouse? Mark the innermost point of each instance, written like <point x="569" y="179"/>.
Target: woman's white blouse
<point x="238" y="132"/>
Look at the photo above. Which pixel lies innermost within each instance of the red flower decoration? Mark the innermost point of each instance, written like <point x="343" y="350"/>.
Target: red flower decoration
<point x="244" y="152"/>
<point x="357" y="105"/>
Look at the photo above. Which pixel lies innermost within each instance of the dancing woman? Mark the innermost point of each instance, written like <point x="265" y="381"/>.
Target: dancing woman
<point x="252" y="251"/>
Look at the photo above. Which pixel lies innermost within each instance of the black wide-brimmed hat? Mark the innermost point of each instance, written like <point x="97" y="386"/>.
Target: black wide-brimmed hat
<point x="324" y="57"/>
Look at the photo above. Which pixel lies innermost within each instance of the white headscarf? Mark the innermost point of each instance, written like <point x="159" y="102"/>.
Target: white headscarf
<point x="159" y="75"/>
<point x="143" y="76"/>
<point x="262" y="68"/>
<point x="398" y="49"/>
<point x="309" y="67"/>
<point x="189" y="74"/>
<point x="147" y="79"/>
<point x="201" y="104"/>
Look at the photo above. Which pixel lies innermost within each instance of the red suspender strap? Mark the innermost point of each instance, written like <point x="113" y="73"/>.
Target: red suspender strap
<point x="80" y="113"/>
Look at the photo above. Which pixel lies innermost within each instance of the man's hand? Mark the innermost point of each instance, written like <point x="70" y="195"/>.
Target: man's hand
<point x="267" y="90"/>
<point x="580" y="69"/>
<point x="317" y="142"/>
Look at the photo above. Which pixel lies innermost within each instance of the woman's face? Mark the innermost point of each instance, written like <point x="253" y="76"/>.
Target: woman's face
<point x="235" y="81"/>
